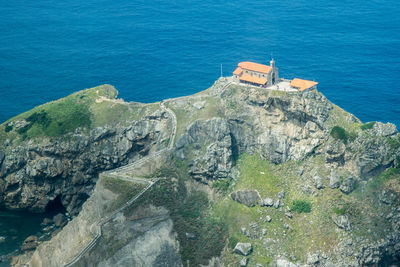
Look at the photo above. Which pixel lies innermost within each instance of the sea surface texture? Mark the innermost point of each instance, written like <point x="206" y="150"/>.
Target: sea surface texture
<point x="151" y="50"/>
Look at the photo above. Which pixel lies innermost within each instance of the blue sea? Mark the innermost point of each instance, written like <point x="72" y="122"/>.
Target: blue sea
<point x="151" y="50"/>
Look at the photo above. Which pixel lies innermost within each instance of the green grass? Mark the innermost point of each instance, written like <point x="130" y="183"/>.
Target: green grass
<point x="222" y="185"/>
<point x="186" y="115"/>
<point x="340" y="117"/>
<point x="301" y="206"/>
<point x="256" y="174"/>
<point x="124" y="189"/>
<point x="312" y="228"/>
<point x="339" y="133"/>
<point x="367" y="126"/>
<point x="189" y="211"/>
<point x="59" y="117"/>
<point x="78" y="110"/>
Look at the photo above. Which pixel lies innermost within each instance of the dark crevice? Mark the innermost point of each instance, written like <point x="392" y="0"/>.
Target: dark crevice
<point x="55" y="206"/>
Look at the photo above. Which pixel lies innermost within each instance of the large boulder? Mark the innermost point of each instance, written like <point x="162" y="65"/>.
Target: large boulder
<point x="30" y="243"/>
<point x="347" y="185"/>
<point x="342" y="221"/>
<point x="334" y="180"/>
<point x="268" y="202"/>
<point x="60" y="220"/>
<point x="250" y="198"/>
<point x="243" y="248"/>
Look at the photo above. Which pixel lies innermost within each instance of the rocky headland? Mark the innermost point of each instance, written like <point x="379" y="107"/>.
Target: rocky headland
<point x="237" y="176"/>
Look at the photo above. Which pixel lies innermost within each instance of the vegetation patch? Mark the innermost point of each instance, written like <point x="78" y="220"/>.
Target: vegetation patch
<point x="340" y="210"/>
<point x="339" y="133"/>
<point x="368" y="125"/>
<point x="222" y="185"/>
<point x="201" y="236"/>
<point x="394" y="143"/>
<point x="301" y="206"/>
<point x="125" y="190"/>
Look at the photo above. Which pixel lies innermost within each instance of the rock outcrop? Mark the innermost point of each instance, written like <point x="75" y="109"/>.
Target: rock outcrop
<point x="219" y="126"/>
<point x="35" y="173"/>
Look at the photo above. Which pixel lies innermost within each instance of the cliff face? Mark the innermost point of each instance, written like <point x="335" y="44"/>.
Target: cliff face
<point x="37" y="171"/>
<point x="270" y="149"/>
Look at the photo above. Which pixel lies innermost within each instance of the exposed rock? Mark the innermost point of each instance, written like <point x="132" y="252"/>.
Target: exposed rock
<point x="60" y="220"/>
<point x="200" y="104"/>
<point x="313" y="259"/>
<point x="17" y="124"/>
<point x="335" y="151"/>
<point x="249" y="198"/>
<point x="384" y="129"/>
<point x="334" y="180"/>
<point x="2" y="156"/>
<point x="243" y="248"/>
<point x="264" y="231"/>
<point x="347" y="185"/>
<point x="37" y="171"/>
<point x="2" y="239"/>
<point x="277" y="203"/>
<point x="289" y="215"/>
<point x="318" y="182"/>
<point x="342" y="221"/>
<point x="216" y="161"/>
<point x="268" y="218"/>
<point x="284" y="263"/>
<point x="268" y="202"/>
<point x="243" y="262"/>
<point x="30" y="243"/>
<point x="281" y="194"/>
<point x="388" y="197"/>
<point x="47" y="221"/>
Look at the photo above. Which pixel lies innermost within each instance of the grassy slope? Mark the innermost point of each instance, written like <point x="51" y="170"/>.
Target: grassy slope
<point x="124" y="189"/>
<point x="314" y="231"/>
<point x="78" y="110"/>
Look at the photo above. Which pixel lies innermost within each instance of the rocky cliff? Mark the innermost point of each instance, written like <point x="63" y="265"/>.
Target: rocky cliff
<point x="289" y="176"/>
<point x="38" y="168"/>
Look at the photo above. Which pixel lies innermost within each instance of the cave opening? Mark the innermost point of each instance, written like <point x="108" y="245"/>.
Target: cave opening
<point x="55" y="206"/>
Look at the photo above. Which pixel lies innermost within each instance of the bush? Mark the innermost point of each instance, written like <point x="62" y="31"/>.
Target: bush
<point x="368" y="125"/>
<point x="301" y="206"/>
<point x="222" y="185"/>
<point x="338" y="132"/>
<point x="340" y="211"/>
<point x="8" y="128"/>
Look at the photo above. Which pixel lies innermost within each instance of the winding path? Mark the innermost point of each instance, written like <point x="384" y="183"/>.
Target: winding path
<point x="122" y="173"/>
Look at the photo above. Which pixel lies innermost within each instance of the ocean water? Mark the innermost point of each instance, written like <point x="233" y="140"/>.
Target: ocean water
<point x="151" y="50"/>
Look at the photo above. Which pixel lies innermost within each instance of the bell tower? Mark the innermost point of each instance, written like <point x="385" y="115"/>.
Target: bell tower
<point x="274" y="72"/>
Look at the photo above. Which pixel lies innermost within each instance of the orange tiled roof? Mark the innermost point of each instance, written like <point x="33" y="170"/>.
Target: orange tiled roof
<point x="255" y="67"/>
<point x="253" y="79"/>
<point x="238" y="71"/>
<point x="302" y="84"/>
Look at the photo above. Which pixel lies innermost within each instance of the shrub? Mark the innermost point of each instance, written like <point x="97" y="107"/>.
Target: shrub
<point x="368" y="125"/>
<point x="338" y="132"/>
<point x="8" y="128"/>
<point x="394" y="143"/>
<point x="301" y="206"/>
<point x="340" y="211"/>
<point x="222" y="185"/>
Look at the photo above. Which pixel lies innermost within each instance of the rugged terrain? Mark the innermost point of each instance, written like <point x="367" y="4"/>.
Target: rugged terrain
<point x="251" y="177"/>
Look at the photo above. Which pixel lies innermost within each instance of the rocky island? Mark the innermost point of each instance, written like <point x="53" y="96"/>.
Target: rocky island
<point x="232" y="176"/>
